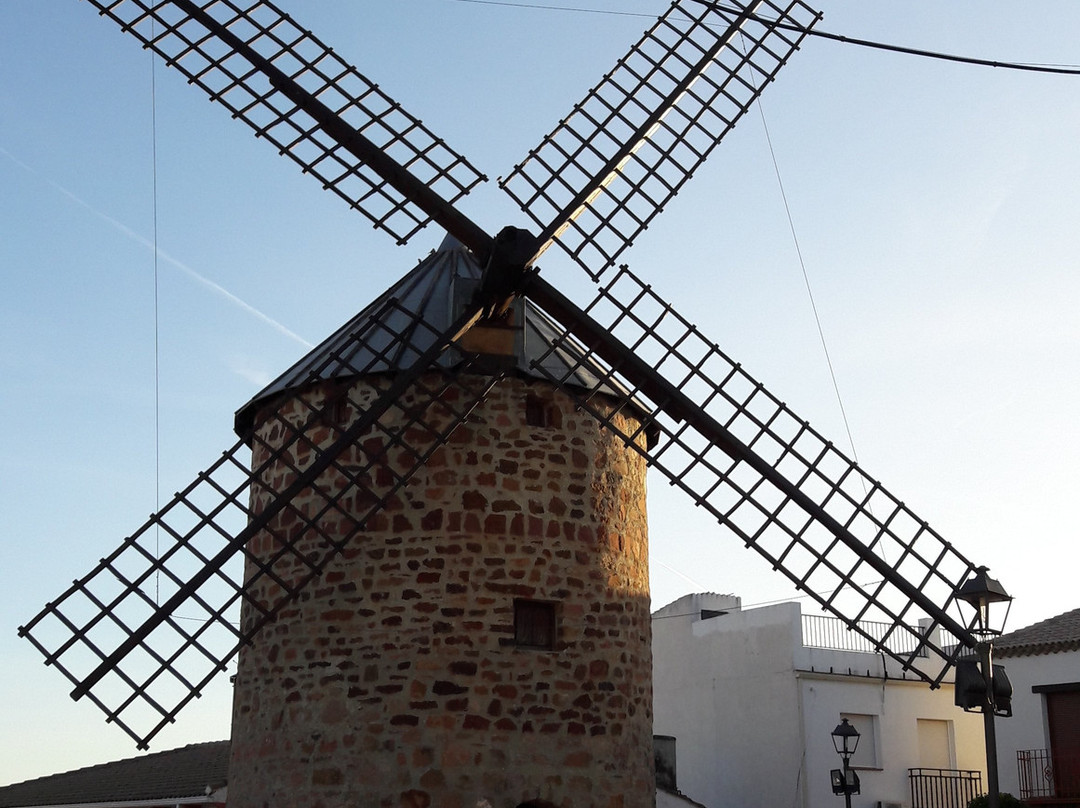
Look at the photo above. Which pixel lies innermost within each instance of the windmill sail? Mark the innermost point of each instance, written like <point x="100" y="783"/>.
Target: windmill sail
<point x="317" y="109"/>
<point x="609" y="168"/>
<point x="144" y="632"/>
<point x="769" y="479"/>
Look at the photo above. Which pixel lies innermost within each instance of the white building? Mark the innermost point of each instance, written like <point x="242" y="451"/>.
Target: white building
<point x="751" y="707"/>
<point x="1039" y="746"/>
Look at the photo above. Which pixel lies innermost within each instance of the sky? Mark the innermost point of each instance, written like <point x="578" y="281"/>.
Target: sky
<point x="933" y="207"/>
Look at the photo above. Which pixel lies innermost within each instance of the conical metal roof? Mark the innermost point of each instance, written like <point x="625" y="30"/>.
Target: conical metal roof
<point x="391" y="332"/>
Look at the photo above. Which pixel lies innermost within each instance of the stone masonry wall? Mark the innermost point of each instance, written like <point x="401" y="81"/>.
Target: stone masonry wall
<point x="395" y="682"/>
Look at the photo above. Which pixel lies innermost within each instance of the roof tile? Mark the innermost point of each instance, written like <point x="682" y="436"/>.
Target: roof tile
<point x="190" y="771"/>
<point x="1051" y="636"/>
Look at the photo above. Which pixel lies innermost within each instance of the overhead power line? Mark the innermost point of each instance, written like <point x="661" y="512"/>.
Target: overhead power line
<point x="548" y="7"/>
<point x="1073" y="70"/>
<point x="1068" y="70"/>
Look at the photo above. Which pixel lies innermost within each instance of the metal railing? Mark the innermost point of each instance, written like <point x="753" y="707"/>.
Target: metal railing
<point x="1044" y="774"/>
<point x="830" y="632"/>
<point x="944" y="788"/>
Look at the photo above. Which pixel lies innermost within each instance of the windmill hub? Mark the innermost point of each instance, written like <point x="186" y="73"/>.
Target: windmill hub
<point x="512" y="251"/>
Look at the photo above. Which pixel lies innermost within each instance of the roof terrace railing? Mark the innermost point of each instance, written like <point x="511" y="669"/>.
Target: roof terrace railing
<point x="819" y="631"/>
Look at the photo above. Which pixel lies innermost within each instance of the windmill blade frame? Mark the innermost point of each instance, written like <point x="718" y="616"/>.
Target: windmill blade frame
<point x="314" y="107"/>
<point x="135" y="655"/>
<point x="601" y="176"/>
<point x="766" y="475"/>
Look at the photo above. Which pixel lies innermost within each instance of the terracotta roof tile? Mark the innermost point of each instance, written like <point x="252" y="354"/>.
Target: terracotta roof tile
<point x="177" y="774"/>
<point x="1061" y="633"/>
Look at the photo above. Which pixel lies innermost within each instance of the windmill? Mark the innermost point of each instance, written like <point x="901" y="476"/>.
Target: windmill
<point x="328" y="452"/>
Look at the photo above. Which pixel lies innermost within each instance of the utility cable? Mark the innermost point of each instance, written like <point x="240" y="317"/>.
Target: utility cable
<point x="157" y="328"/>
<point x="1059" y="69"/>
<point x="1072" y="70"/>
<point x="1067" y="70"/>
<point x="809" y="287"/>
<point x="543" y="7"/>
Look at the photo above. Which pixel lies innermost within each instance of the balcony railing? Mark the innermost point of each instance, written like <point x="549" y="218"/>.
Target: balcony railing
<point x="1043" y="774"/>
<point x="943" y="788"/>
<point x="830" y="632"/>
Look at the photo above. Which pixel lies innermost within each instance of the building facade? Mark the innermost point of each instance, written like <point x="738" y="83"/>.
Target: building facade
<point x="1039" y="746"/>
<point x="751" y="704"/>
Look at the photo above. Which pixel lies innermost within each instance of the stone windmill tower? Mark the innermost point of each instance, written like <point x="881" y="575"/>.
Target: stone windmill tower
<point x="442" y="520"/>
<point x="486" y="635"/>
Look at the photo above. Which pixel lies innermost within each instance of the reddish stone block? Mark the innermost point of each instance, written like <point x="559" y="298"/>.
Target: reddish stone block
<point x="415" y="799"/>
<point x="327" y="777"/>
<point x="433" y="779"/>
<point x="463" y="668"/>
<point x="444" y="688"/>
<point x="476" y="722"/>
<point x="432" y="520"/>
<point x="473" y="501"/>
<point x="337" y="614"/>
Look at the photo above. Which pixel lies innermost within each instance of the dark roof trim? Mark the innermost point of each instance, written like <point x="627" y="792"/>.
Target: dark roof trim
<point x="1063" y="687"/>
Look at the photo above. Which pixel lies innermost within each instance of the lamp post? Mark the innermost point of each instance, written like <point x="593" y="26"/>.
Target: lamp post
<point x="845" y="740"/>
<point x="980" y="590"/>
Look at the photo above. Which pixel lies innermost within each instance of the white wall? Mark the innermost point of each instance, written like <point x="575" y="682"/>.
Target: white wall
<point x="752" y="722"/>
<point x="724" y="688"/>
<point x="897" y="706"/>
<point x="666" y="800"/>
<point x="1026" y="729"/>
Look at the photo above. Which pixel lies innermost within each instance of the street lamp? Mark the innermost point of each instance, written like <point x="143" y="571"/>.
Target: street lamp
<point x="845" y="740"/>
<point x="980" y="590"/>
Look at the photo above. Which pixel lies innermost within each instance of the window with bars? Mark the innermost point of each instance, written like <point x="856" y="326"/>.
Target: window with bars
<point x="535" y="624"/>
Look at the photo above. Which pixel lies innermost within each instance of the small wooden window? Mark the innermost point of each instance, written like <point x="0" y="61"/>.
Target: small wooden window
<point x="339" y="411"/>
<point x="335" y="410"/>
<point x="541" y="412"/>
<point x="534" y="624"/>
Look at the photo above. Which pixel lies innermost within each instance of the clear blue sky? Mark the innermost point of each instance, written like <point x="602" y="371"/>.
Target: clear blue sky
<point x="935" y="206"/>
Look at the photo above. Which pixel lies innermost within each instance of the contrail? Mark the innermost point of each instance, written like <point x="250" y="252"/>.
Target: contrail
<point x="127" y="231"/>
<point x="684" y="576"/>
